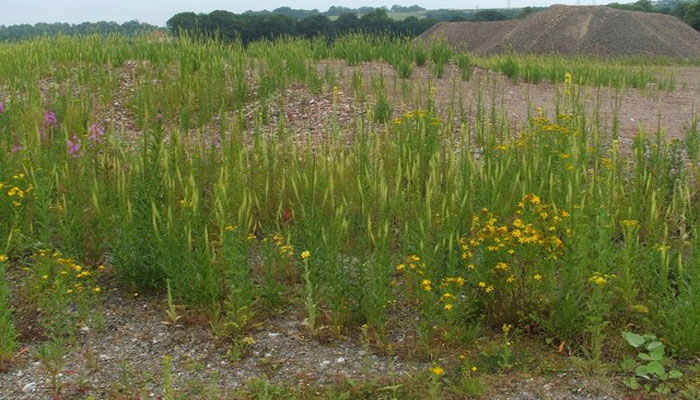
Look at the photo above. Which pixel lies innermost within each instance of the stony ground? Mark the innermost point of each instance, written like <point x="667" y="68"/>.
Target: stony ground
<point x="559" y="29"/>
<point x="124" y="359"/>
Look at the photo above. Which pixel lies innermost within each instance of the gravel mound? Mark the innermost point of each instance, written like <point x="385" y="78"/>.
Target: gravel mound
<point x="595" y="30"/>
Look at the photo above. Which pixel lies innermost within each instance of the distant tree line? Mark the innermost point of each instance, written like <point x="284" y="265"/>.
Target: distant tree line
<point x="282" y="22"/>
<point x="27" y="31"/>
<point x="687" y="11"/>
<point x="442" y="14"/>
<point x="249" y="27"/>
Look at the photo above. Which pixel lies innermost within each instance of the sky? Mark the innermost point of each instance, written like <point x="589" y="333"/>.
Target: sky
<point x="158" y="11"/>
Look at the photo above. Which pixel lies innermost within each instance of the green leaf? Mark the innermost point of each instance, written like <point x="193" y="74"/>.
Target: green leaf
<point x="633" y="339"/>
<point x="644" y="356"/>
<point x="656" y="368"/>
<point x="675" y="374"/>
<point x="657" y="354"/>
<point x="642" y="371"/>
<point x="655" y="345"/>
<point x="631" y="382"/>
<point x="663" y="389"/>
<point x="628" y="363"/>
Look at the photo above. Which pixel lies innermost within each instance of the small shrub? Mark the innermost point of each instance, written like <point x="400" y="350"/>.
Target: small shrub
<point x="420" y="57"/>
<point x="382" y="110"/>
<point x="464" y="63"/>
<point x="648" y="370"/>
<point x="8" y="335"/>
<point x="510" y="67"/>
<point x="404" y="69"/>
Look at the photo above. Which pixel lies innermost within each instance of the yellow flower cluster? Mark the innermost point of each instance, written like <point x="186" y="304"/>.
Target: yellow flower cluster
<point x="413" y="263"/>
<point x="543" y="231"/>
<point x="285" y="249"/>
<point x="14" y="192"/>
<point x="66" y="272"/>
<point x="437" y="371"/>
<point x="601" y="279"/>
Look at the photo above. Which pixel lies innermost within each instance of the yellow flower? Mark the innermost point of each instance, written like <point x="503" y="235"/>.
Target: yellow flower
<point x="3" y="258"/>
<point x="305" y="254"/>
<point x="437" y="371"/>
<point x="460" y="281"/>
<point x="474" y="369"/>
<point x="400" y="267"/>
<point x="511" y="279"/>
<point x="489" y="289"/>
<point x="448" y="307"/>
<point x="502" y="266"/>
<point x="45" y="277"/>
<point x="482" y="284"/>
<point x="506" y="328"/>
<point x="630" y="223"/>
<point x="532" y="198"/>
<point x="230" y="228"/>
<point x="413" y="258"/>
<point x="537" y="277"/>
<point x="447" y="296"/>
<point x="97" y="289"/>
<point x="248" y="340"/>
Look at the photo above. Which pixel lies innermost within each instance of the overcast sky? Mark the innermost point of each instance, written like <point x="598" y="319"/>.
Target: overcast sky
<point x="158" y="11"/>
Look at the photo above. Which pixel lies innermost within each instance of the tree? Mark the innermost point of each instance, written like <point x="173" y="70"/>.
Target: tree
<point x="183" y="22"/>
<point x="346" y="23"/>
<point x="692" y="16"/>
<point x="489" y="15"/>
<point x="315" y="25"/>
<point x="377" y="21"/>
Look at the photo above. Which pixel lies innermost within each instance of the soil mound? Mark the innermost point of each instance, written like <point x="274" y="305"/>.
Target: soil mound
<point x="595" y="30"/>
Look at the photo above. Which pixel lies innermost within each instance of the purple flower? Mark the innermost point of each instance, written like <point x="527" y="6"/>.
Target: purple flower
<point x="17" y="147"/>
<point x="2" y="107"/>
<point x="50" y="120"/>
<point x="74" y="145"/>
<point x="95" y="133"/>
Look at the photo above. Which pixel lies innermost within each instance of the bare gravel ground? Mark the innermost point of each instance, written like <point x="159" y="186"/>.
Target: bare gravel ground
<point x="124" y="360"/>
<point x="560" y="29"/>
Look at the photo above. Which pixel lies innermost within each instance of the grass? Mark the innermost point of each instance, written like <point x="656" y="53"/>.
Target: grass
<point x="552" y="231"/>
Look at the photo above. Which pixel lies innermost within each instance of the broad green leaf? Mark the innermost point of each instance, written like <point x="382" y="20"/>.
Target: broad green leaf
<point x="654" y="345"/>
<point x="657" y="354"/>
<point x="633" y="339"/>
<point x="631" y="383"/>
<point x="628" y="363"/>
<point x="675" y="374"/>
<point x="642" y="371"/>
<point x="656" y="368"/>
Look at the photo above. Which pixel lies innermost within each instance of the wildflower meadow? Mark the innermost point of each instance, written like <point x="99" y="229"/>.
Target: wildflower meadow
<point x="424" y="225"/>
